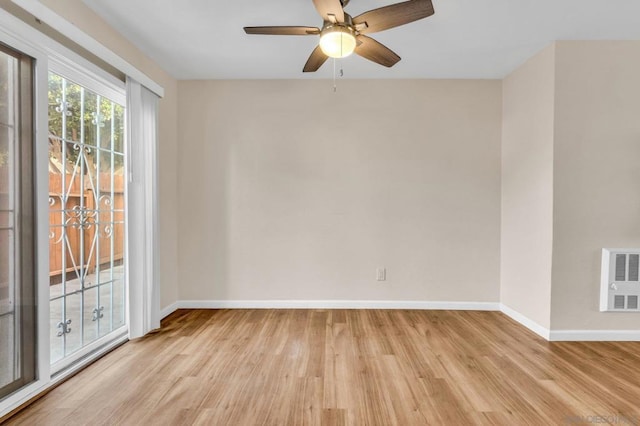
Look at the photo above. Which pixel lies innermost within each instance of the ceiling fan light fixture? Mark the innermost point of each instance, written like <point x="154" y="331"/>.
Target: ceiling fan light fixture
<point x="337" y="41"/>
<point x="341" y="35"/>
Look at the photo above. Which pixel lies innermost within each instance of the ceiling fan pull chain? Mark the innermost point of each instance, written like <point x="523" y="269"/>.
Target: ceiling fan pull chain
<point x="335" y="88"/>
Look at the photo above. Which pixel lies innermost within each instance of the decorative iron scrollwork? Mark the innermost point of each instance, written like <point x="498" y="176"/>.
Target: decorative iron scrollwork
<point x="64" y="327"/>
<point x="106" y="231"/>
<point x="63" y="107"/>
<point x="97" y="313"/>
<point x="81" y="218"/>
<point x="105" y="199"/>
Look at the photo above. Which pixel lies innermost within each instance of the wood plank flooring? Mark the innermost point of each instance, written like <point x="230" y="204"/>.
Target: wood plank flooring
<point x="348" y="367"/>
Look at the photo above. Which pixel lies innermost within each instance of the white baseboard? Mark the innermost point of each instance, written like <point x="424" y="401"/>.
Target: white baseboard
<point x="572" y="335"/>
<point x="526" y="321"/>
<point x="168" y="310"/>
<point x="328" y="304"/>
<point x="550" y="335"/>
<point x="595" y="336"/>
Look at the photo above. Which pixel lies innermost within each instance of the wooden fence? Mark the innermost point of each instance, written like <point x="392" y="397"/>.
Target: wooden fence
<point x="79" y="237"/>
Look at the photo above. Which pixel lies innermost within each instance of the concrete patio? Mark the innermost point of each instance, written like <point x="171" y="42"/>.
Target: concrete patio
<point x="80" y="310"/>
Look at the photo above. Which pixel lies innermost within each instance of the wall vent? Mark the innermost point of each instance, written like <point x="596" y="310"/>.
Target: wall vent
<point x="620" y="284"/>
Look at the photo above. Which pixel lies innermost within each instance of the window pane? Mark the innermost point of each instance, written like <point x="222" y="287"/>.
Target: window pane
<point x="119" y="129"/>
<point x="6" y="270"/>
<point x="105" y="122"/>
<point x="7" y="357"/>
<point x="6" y="148"/>
<point x="105" y="307"/>
<point x="90" y="322"/>
<point x="17" y="284"/>
<point x="7" y="68"/>
<point x="86" y="185"/>
<point x="118" y="304"/>
<point x="55" y="317"/>
<point x="55" y="105"/>
<point x="71" y="110"/>
<point x="90" y="118"/>
<point x="72" y="315"/>
<point x="7" y="318"/>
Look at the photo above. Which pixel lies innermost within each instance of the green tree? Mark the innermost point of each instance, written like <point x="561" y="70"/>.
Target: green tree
<point x="87" y="118"/>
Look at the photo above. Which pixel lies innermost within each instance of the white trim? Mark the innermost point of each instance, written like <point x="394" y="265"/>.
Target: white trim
<point x="88" y="359"/>
<point x="23" y="395"/>
<point x="525" y="321"/>
<point x="31" y="391"/>
<point x="329" y="304"/>
<point x="69" y="362"/>
<point x="54" y="50"/>
<point x="106" y="86"/>
<point x="595" y="336"/>
<point x="72" y="32"/>
<point x="572" y="335"/>
<point x="168" y="310"/>
<point x="41" y="153"/>
<point x="12" y="34"/>
<point x="604" y="280"/>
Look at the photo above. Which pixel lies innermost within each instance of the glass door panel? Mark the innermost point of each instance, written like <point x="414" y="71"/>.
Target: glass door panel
<point x="17" y="281"/>
<point x="86" y="198"/>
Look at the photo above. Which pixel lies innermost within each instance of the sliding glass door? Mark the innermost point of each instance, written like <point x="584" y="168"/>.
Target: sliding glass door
<point x="64" y="189"/>
<point x="17" y="280"/>
<point x="86" y="217"/>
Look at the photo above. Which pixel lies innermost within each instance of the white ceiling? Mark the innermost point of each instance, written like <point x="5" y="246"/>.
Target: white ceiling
<point x="204" y="39"/>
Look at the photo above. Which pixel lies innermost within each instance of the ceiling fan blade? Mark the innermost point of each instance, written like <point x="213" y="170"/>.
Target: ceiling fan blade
<point x="392" y="16"/>
<point x="282" y="30"/>
<point x="326" y="8"/>
<point x="315" y="61"/>
<point x="377" y="52"/>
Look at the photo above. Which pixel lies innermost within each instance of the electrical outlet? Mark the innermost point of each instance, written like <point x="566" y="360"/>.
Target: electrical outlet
<point x="381" y="274"/>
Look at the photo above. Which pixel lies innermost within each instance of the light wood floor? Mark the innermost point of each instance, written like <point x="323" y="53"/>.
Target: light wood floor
<point x="369" y="367"/>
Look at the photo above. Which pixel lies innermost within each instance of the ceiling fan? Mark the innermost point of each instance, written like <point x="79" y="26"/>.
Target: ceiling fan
<point x="342" y="35"/>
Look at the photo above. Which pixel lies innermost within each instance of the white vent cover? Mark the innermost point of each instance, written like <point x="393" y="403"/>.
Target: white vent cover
<point x="620" y="288"/>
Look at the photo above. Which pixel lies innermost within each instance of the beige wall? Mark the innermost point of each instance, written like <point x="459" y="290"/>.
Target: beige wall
<point x="527" y="188"/>
<point x="84" y="18"/>
<point x="596" y="175"/>
<point x="570" y="180"/>
<point x="291" y="191"/>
